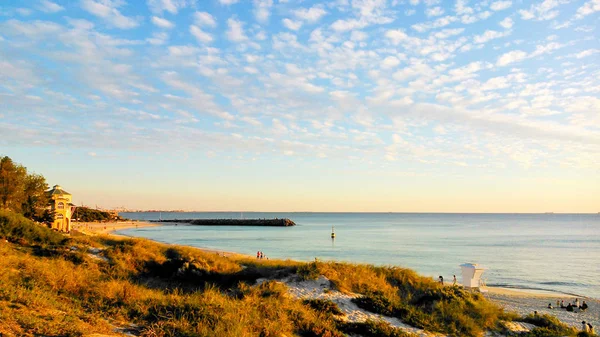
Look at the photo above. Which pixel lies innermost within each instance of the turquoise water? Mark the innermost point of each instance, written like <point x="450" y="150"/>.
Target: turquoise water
<point x="559" y="252"/>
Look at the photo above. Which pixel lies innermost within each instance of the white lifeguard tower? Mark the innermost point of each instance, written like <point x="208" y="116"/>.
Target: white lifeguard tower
<point x="471" y="273"/>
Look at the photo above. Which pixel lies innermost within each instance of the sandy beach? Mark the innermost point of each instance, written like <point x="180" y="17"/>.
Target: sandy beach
<point x="109" y="227"/>
<point x="525" y="304"/>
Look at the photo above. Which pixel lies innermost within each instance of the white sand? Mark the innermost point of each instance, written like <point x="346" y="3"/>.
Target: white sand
<point x="525" y="305"/>
<point x="109" y="227"/>
<point x="321" y="289"/>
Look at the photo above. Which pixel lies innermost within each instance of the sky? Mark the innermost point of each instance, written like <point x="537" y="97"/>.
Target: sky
<point x="273" y="105"/>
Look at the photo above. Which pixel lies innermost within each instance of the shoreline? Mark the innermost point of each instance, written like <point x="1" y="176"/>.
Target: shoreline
<point x="95" y="228"/>
<point x="521" y="300"/>
<point x="494" y="290"/>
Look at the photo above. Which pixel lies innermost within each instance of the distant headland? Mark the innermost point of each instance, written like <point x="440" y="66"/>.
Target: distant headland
<point x="234" y="222"/>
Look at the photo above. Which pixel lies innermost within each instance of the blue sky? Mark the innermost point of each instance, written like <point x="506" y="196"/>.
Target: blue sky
<point x="267" y="105"/>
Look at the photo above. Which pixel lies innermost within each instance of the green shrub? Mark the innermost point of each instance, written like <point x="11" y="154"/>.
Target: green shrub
<point x="547" y="326"/>
<point x="326" y="306"/>
<point x="16" y="228"/>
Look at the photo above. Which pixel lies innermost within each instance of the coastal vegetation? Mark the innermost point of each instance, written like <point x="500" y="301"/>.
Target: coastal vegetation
<point x="23" y="192"/>
<point x="56" y="285"/>
<point x="86" y="214"/>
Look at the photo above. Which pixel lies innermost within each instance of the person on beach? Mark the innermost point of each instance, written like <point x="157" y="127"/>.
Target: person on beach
<point x="569" y="307"/>
<point x="454" y="280"/>
<point x="441" y="279"/>
<point x="258" y="254"/>
<point x="583" y="306"/>
<point x="562" y="304"/>
<point x="576" y="303"/>
<point x="590" y="328"/>
<point x="584" y="327"/>
<point x="261" y="255"/>
<point x="550" y="306"/>
<point x="557" y="304"/>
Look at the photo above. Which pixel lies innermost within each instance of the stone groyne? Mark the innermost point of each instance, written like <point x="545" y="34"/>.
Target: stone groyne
<point x="234" y="222"/>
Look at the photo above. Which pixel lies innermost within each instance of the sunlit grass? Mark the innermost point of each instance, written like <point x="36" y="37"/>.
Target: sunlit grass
<point x="59" y="286"/>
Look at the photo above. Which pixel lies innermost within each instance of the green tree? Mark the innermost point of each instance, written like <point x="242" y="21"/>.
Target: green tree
<point x="22" y="192"/>
<point x="36" y="199"/>
<point x="12" y="184"/>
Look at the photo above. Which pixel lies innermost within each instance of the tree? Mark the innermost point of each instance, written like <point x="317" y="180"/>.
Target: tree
<point x="21" y="192"/>
<point x="12" y="184"/>
<point x="36" y="199"/>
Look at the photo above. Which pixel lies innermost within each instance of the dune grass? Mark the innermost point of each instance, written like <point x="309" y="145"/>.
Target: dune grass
<point x="58" y="286"/>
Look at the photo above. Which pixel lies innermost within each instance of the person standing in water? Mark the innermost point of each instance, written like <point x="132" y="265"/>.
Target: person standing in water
<point x="454" y="280"/>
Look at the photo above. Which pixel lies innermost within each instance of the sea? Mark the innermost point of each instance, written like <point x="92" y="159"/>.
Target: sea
<point x="548" y="252"/>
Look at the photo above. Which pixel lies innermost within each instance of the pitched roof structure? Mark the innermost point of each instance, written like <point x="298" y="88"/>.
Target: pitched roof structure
<point x="58" y="191"/>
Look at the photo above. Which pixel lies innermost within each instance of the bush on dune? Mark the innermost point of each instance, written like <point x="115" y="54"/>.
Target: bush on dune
<point x="547" y="326"/>
<point x="416" y="300"/>
<point x="15" y="227"/>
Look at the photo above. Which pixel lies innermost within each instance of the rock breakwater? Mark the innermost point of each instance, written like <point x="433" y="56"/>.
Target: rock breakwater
<point x="234" y="222"/>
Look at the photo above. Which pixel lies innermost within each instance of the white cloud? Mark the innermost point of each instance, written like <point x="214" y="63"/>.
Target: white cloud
<point x="586" y="53"/>
<point x="162" y="23"/>
<point x="108" y="11"/>
<point x="507" y="23"/>
<point x="158" y="38"/>
<point x="511" y="57"/>
<point x="262" y="10"/>
<point x="290" y="24"/>
<point x="441" y="22"/>
<point x="235" y="32"/>
<point x="171" y="6"/>
<point x="390" y="62"/>
<point x="311" y="15"/>
<point x="489" y="35"/>
<point x="50" y="7"/>
<point x="500" y="5"/>
<point x="228" y="2"/>
<point x="434" y="11"/>
<point x="396" y="36"/>
<point x="544" y="10"/>
<point x="588" y="8"/>
<point x="200" y="35"/>
<point x="204" y="19"/>
<point x="546" y="49"/>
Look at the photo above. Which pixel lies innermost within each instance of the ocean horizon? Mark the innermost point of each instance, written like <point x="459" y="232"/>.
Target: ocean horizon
<point x="538" y="251"/>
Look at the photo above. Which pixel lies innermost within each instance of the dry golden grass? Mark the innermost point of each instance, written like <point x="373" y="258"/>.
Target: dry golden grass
<point x="70" y="289"/>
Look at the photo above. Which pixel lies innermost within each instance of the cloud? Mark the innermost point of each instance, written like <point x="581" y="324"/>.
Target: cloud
<point x="588" y="8"/>
<point x="390" y="62"/>
<point x="441" y="22"/>
<point x="200" y="35"/>
<point x="507" y="23"/>
<point x="228" y="2"/>
<point x="545" y="10"/>
<point x="108" y="11"/>
<point x="311" y="15"/>
<point x="500" y="5"/>
<point x="290" y="24"/>
<point x="162" y="23"/>
<point x="489" y="35"/>
<point x="586" y="53"/>
<point x="235" y="32"/>
<point x="511" y="57"/>
<point x="50" y="7"/>
<point x="262" y="9"/>
<point x="171" y="6"/>
<point x="204" y="19"/>
<point x="434" y="11"/>
<point x="158" y="38"/>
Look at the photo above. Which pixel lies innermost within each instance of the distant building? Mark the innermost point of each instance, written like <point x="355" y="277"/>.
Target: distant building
<point x="61" y="207"/>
